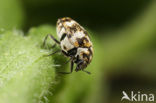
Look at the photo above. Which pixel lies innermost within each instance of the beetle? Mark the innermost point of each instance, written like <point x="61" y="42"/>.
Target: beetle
<point x="74" y="42"/>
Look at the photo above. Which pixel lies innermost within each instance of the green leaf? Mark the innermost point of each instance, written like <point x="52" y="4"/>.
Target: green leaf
<point x="25" y="74"/>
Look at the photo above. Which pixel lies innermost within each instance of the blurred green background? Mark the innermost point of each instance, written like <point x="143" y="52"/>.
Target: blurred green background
<point x="124" y="38"/>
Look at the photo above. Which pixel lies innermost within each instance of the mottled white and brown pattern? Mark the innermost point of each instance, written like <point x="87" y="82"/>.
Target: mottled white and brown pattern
<point x="74" y="42"/>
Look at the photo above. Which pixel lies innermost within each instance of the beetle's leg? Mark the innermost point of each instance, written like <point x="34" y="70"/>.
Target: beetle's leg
<point x="71" y="66"/>
<point x="68" y="60"/>
<point x="77" y="68"/>
<point x="86" y="71"/>
<point x="53" y="38"/>
<point x="53" y="53"/>
<point x="53" y="46"/>
<point x="71" y="69"/>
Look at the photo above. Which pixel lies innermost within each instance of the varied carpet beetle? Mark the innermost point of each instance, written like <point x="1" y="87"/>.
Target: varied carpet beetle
<point x="74" y="42"/>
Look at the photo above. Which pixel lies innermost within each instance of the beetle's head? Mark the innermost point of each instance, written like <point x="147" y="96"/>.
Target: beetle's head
<point x="84" y="58"/>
